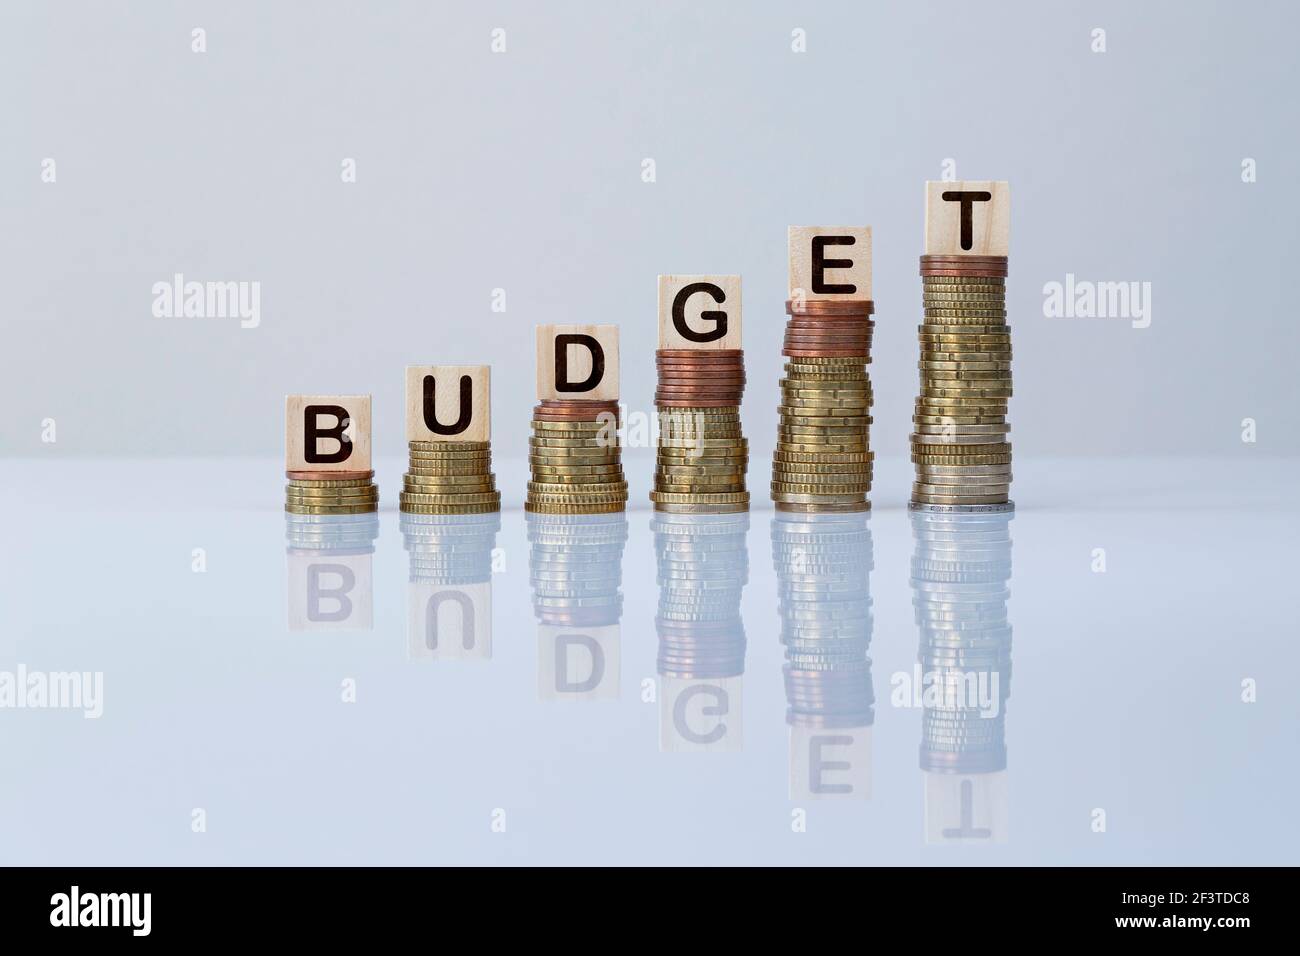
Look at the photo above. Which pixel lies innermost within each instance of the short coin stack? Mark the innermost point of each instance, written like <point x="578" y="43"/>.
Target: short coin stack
<point x="703" y="566"/>
<point x="960" y="570"/>
<point x="960" y="430"/>
<point x="330" y="493"/>
<point x="575" y="566"/>
<point x="576" y="459"/>
<point x="823" y="458"/>
<point x="823" y="564"/>
<point x="702" y="455"/>
<point x="450" y="478"/>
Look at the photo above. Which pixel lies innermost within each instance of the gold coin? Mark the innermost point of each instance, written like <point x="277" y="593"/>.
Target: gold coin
<point x="463" y="509"/>
<point x="450" y="499"/>
<point x="330" y="482"/>
<point x="564" y="509"/>
<point x="449" y="446"/>
<point x="298" y="509"/>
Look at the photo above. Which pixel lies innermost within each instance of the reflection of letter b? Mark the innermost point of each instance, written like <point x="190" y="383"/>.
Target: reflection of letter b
<point x="316" y="593"/>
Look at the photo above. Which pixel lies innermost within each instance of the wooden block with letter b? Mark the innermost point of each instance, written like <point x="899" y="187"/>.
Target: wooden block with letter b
<point x="967" y="218"/>
<point x="577" y="362"/>
<point x="448" y="403"/>
<point x="830" y="262"/>
<point x="327" y="433"/>
<point x="699" y="312"/>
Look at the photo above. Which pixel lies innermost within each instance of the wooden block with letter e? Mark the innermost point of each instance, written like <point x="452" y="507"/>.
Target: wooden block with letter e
<point x="967" y="218"/>
<point x="327" y="433"/>
<point x="577" y="362"/>
<point x="699" y="312"/>
<point x="830" y="262"/>
<point x="448" y="403"/>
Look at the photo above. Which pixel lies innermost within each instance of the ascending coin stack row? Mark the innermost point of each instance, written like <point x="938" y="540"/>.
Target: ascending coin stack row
<point x="450" y="478"/>
<point x="703" y="566"/>
<point x="823" y="459"/>
<point x="702" y="455"/>
<point x="576" y="458"/>
<point x="960" y="573"/>
<point x="823" y="564"/>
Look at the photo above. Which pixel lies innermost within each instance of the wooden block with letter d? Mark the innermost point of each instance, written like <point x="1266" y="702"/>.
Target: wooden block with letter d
<point x="830" y="262"/>
<point x="577" y="362"/>
<point x="699" y="312"/>
<point x="327" y="433"/>
<point x="967" y="218"/>
<point x="448" y="403"/>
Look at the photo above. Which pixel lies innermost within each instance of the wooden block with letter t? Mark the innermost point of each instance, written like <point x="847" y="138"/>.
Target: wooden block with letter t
<point x="967" y="218"/>
<point x="830" y="262"/>
<point x="577" y="362"/>
<point x="699" y="312"/>
<point x="448" y="403"/>
<point x="327" y="433"/>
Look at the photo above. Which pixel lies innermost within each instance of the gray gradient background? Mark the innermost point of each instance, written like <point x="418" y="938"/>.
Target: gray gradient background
<point x="522" y="171"/>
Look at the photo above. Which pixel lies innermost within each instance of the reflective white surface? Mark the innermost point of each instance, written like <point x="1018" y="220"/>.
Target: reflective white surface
<point x="221" y="692"/>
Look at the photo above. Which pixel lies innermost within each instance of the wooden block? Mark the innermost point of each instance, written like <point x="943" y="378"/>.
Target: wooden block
<point x="448" y="403"/>
<point x="699" y="312"/>
<point x="830" y="262"/>
<point x="327" y="433"/>
<point x="577" y="362"/>
<point x="967" y="218"/>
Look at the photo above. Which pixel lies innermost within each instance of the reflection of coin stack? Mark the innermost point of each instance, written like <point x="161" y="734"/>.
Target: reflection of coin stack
<point x="450" y="478"/>
<point x="960" y="430"/>
<point x="703" y="567"/>
<point x="960" y="572"/>
<point x="450" y="573"/>
<point x="328" y="533"/>
<point x="575" y="565"/>
<point x="330" y="493"/>
<point x="702" y="455"/>
<point x="823" y="564"/>
<point x="576" y="459"/>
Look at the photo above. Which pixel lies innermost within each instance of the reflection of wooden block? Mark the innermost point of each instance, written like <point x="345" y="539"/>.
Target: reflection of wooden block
<point x="448" y="403"/>
<point x="577" y="362"/>
<point x="578" y="663"/>
<point x="830" y="262"/>
<point x="697" y="715"/>
<point x="967" y="218"/>
<point x="830" y="763"/>
<point x="447" y="622"/>
<point x="699" y="312"/>
<point x="330" y="591"/>
<point x="327" y="433"/>
<point x="966" y="808"/>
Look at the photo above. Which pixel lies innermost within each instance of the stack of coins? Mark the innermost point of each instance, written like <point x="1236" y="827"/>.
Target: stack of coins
<point x="576" y="459"/>
<point x="450" y="478"/>
<point x="346" y="533"/>
<point x="960" y="571"/>
<point x="823" y="563"/>
<point x="823" y="458"/>
<point x="330" y="492"/>
<point x="703" y="567"/>
<point x="960" y="430"/>
<point x="702" y="456"/>
<point x="450" y="549"/>
<point x="575" y="566"/>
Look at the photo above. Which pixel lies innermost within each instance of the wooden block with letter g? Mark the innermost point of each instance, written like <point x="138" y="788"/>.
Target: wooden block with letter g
<point x="448" y="403"/>
<point x="830" y="262"/>
<point x="967" y="218"/>
<point x="577" y="362"/>
<point x="699" y="312"/>
<point x="327" y="433"/>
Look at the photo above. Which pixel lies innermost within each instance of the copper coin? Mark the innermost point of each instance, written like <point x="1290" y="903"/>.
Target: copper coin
<point x="694" y="403"/>
<point x="830" y="307"/>
<point x="691" y="353"/>
<point x="823" y="353"/>
<point x="328" y="475"/>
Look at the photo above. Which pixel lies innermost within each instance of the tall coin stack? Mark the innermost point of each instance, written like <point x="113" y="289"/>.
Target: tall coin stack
<point x="702" y="456"/>
<point x="703" y="566"/>
<point x="576" y="458"/>
<point x="450" y="478"/>
<point x="961" y="568"/>
<point x="823" y="460"/>
<point x="823" y="564"/>
<point x="960" y="433"/>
